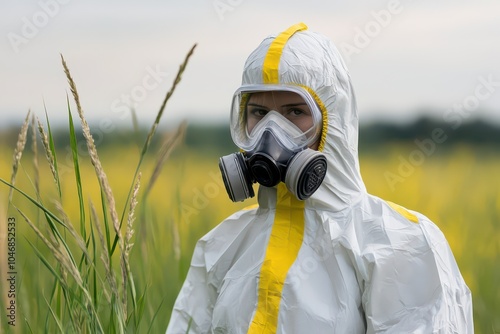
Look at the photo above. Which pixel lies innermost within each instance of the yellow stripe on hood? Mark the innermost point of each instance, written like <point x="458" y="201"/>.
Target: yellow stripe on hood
<point x="288" y="228"/>
<point x="273" y="56"/>
<point x="270" y="71"/>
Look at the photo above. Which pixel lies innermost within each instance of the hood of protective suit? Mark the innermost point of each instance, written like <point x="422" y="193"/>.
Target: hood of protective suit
<point x="310" y="60"/>
<point x="342" y="261"/>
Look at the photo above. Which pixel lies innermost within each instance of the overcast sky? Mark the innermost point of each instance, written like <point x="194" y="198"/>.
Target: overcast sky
<point x="404" y="56"/>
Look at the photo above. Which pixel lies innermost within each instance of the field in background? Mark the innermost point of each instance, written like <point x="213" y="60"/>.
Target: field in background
<point x="457" y="187"/>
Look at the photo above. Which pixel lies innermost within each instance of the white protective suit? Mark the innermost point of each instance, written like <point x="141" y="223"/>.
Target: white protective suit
<point x="342" y="261"/>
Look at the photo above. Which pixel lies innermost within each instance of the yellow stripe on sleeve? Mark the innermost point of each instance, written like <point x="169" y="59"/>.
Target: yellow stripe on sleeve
<point x="403" y="212"/>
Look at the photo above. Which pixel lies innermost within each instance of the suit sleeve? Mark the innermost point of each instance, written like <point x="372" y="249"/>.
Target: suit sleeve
<point x="415" y="284"/>
<point x="194" y="304"/>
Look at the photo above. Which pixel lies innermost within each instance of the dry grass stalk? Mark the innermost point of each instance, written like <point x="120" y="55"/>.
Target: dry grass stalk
<point x="110" y="276"/>
<point x="34" y="148"/>
<point x="131" y="216"/>
<point x="60" y="254"/>
<point x="177" y="79"/>
<point x="18" y="151"/>
<point x="167" y="148"/>
<point x="160" y="113"/>
<point x="48" y="151"/>
<point x="128" y="237"/>
<point x="67" y="267"/>
<point x="79" y="240"/>
<point x="94" y="158"/>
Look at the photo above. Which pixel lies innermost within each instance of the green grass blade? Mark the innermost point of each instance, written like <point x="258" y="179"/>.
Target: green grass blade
<point x="78" y="179"/>
<point x="36" y="203"/>
<point x="28" y="324"/>
<point x="139" y="311"/>
<point x="189" y="325"/>
<point x="76" y="165"/>
<point x="54" y="316"/>
<point x="53" y="295"/>
<point x="155" y="315"/>
<point x="133" y="293"/>
<point x="94" y="267"/>
<point x="106" y="226"/>
<point x="46" y="263"/>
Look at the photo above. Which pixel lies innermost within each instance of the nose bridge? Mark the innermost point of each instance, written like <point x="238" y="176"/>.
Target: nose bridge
<point x="271" y="101"/>
<point x="279" y="110"/>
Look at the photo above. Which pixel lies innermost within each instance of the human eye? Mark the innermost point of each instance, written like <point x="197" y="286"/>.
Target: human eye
<point x="296" y="112"/>
<point x="258" y="112"/>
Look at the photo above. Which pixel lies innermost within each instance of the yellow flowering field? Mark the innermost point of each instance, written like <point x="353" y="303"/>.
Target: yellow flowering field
<point x="457" y="187"/>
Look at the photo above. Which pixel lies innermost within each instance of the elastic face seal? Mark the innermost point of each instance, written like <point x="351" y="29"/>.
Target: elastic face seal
<point x="252" y="112"/>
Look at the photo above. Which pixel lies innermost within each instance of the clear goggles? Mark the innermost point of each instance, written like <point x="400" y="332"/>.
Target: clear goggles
<point x="289" y="111"/>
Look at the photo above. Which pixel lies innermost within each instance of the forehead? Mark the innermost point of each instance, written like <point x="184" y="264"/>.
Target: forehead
<point x="275" y="98"/>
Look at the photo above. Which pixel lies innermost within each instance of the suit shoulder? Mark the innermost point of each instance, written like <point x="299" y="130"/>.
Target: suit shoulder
<point x="387" y="224"/>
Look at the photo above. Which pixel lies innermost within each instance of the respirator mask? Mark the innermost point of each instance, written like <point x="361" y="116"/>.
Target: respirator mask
<point x="274" y="126"/>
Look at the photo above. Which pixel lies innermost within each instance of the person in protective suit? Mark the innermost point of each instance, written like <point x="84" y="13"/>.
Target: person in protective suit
<point x="318" y="254"/>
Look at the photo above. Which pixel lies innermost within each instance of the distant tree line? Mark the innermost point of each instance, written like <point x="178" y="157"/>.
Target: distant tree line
<point x="218" y="138"/>
<point x="477" y="132"/>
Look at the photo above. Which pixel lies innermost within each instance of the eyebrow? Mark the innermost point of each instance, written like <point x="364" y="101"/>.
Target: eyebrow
<point x="294" y="104"/>
<point x="285" y="105"/>
<point x="255" y="105"/>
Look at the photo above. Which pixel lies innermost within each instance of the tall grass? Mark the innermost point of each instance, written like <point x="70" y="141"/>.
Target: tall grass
<point x="93" y="288"/>
<point x="457" y="189"/>
<point x="75" y="277"/>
